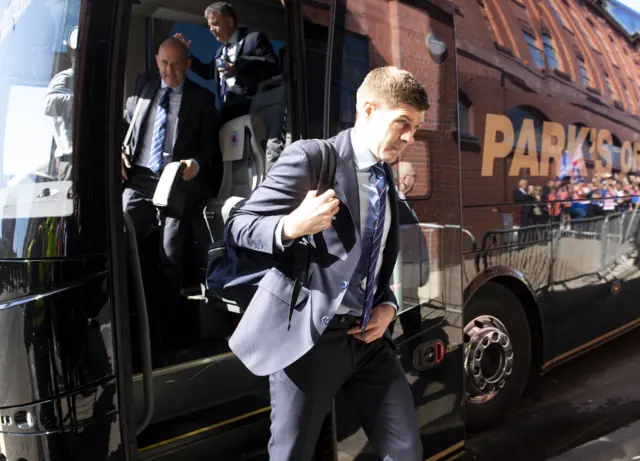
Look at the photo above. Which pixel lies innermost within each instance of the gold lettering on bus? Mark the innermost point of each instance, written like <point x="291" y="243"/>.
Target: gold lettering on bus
<point x="493" y="148"/>
<point x="552" y="146"/>
<point x="604" y="137"/>
<point x="627" y="158"/>
<point x="564" y="146"/>
<point x="526" y="143"/>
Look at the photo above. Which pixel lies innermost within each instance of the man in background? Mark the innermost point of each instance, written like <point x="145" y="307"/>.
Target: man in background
<point x="243" y="61"/>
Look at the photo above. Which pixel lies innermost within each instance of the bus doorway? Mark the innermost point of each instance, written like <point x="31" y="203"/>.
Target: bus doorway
<point x="324" y="54"/>
<point x="86" y="378"/>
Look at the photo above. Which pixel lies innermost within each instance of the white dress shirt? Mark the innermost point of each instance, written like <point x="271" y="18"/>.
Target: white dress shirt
<point x="175" y="100"/>
<point x="232" y="53"/>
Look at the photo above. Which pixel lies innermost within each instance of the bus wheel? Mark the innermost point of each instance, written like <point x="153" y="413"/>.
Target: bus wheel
<point x="497" y="354"/>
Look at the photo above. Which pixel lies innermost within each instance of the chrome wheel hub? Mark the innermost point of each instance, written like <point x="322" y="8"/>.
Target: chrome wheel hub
<point x="488" y="358"/>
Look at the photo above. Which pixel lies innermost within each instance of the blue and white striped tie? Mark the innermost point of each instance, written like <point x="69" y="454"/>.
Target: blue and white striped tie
<point x="159" y="130"/>
<point x="377" y="209"/>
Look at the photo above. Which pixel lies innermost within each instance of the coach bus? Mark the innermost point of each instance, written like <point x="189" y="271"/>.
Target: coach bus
<point x="519" y="247"/>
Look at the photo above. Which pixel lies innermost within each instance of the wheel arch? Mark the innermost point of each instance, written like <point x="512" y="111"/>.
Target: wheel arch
<point x="517" y="283"/>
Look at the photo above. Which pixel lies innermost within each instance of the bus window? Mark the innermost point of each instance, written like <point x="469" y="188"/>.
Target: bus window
<point x="36" y="118"/>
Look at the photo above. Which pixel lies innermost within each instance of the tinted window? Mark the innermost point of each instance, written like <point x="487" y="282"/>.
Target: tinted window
<point x="38" y="43"/>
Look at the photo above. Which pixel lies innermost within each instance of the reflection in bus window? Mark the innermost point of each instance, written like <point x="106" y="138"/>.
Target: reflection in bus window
<point x="36" y="100"/>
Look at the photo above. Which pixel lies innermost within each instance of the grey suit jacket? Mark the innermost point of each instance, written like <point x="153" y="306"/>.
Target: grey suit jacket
<point x="261" y="340"/>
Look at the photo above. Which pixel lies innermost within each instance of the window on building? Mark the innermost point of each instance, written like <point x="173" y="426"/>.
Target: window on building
<point x="485" y="13"/>
<point x="464" y="115"/>
<point x="536" y="52"/>
<point x="559" y="15"/>
<point x="627" y="97"/>
<point x="584" y="73"/>
<point x="590" y="35"/>
<point x="609" y="85"/>
<point x="518" y="114"/>
<point x="549" y="52"/>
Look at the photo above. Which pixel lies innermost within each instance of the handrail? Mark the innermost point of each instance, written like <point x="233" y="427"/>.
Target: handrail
<point x="143" y="322"/>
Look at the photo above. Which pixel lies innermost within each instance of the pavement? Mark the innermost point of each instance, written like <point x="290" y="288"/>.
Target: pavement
<point x="620" y="445"/>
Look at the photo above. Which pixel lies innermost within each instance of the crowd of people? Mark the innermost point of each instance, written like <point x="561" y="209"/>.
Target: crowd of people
<point x="577" y="198"/>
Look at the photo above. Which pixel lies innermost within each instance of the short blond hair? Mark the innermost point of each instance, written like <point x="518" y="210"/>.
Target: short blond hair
<point x="393" y="86"/>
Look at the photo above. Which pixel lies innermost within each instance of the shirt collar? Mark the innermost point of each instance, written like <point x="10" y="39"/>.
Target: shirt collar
<point x="364" y="157"/>
<point x="178" y="89"/>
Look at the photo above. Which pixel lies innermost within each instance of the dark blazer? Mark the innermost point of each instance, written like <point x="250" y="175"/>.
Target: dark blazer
<point x="197" y="130"/>
<point x="526" y="211"/>
<point x="261" y="340"/>
<point x="256" y="61"/>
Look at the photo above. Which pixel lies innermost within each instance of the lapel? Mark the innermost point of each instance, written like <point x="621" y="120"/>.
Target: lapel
<point x="346" y="182"/>
<point x="390" y="254"/>
<point x="149" y="91"/>
<point x="242" y="35"/>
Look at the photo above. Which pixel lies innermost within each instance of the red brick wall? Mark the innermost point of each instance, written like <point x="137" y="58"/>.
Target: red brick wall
<point x="494" y="80"/>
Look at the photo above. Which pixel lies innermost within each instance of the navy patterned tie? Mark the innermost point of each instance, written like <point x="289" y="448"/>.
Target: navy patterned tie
<point x="159" y="130"/>
<point x="377" y="209"/>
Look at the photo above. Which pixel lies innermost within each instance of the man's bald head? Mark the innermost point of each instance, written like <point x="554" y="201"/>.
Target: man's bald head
<point x="177" y="46"/>
<point x="406" y="177"/>
<point x="173" y="61"/>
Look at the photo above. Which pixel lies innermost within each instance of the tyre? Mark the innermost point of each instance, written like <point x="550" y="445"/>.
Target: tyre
<point x="497" y="354"/>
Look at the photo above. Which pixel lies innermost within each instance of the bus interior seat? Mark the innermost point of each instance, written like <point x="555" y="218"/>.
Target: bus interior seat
<point x="244" y="158"/>
<point x="243" y="161"/>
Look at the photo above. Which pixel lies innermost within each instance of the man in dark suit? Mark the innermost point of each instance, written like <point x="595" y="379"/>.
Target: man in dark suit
<point x="243" y="61"/>
<point x="521" y="195"/>
<point x="175" y="121"/>
<point x="336" y="337"/>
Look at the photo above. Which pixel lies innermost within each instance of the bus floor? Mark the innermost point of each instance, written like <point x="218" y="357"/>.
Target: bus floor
<point x="587" y="398"/>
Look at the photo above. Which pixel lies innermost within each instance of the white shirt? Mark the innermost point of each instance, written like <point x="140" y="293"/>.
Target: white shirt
<point x="175" y="99"/>
<point x="232" y="53"/>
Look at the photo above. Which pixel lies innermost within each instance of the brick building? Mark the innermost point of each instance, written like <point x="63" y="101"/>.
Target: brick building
<point x="566" y="61"/>
<point x="563" y="61"/>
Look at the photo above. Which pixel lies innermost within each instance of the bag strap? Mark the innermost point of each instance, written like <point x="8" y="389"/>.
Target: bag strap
<point x="136" y="111"/>
<point x="326" y="180"/>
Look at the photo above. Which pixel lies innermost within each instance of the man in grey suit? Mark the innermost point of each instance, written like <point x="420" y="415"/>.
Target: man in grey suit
<point x="336" y="337"/>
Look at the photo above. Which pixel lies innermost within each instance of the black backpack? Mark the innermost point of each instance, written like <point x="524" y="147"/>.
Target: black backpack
<point x="233" y="273"/>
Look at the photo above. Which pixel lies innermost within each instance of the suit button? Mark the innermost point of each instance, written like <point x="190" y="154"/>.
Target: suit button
<point x="325" y="320"/>
<point x="344" y="284"/>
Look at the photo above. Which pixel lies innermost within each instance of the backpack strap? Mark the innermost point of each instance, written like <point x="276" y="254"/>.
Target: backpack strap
<point x="326" y="180"/>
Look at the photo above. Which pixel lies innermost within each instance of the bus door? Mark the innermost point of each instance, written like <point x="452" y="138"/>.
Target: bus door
<point x="60" y="397"/>
<point x="194" y="399"/>
<point x="417" y="36"/>
<point x="190" y="396"/>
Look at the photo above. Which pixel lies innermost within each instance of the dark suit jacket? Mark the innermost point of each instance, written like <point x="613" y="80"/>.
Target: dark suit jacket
<point x="262" y="340"/>
<point x="526" y="211"/>
<point x="197" y="130"/>
<point x="256" y="61"/>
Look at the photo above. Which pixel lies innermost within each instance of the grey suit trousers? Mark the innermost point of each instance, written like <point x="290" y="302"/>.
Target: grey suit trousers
<point x="373" y="381"/>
